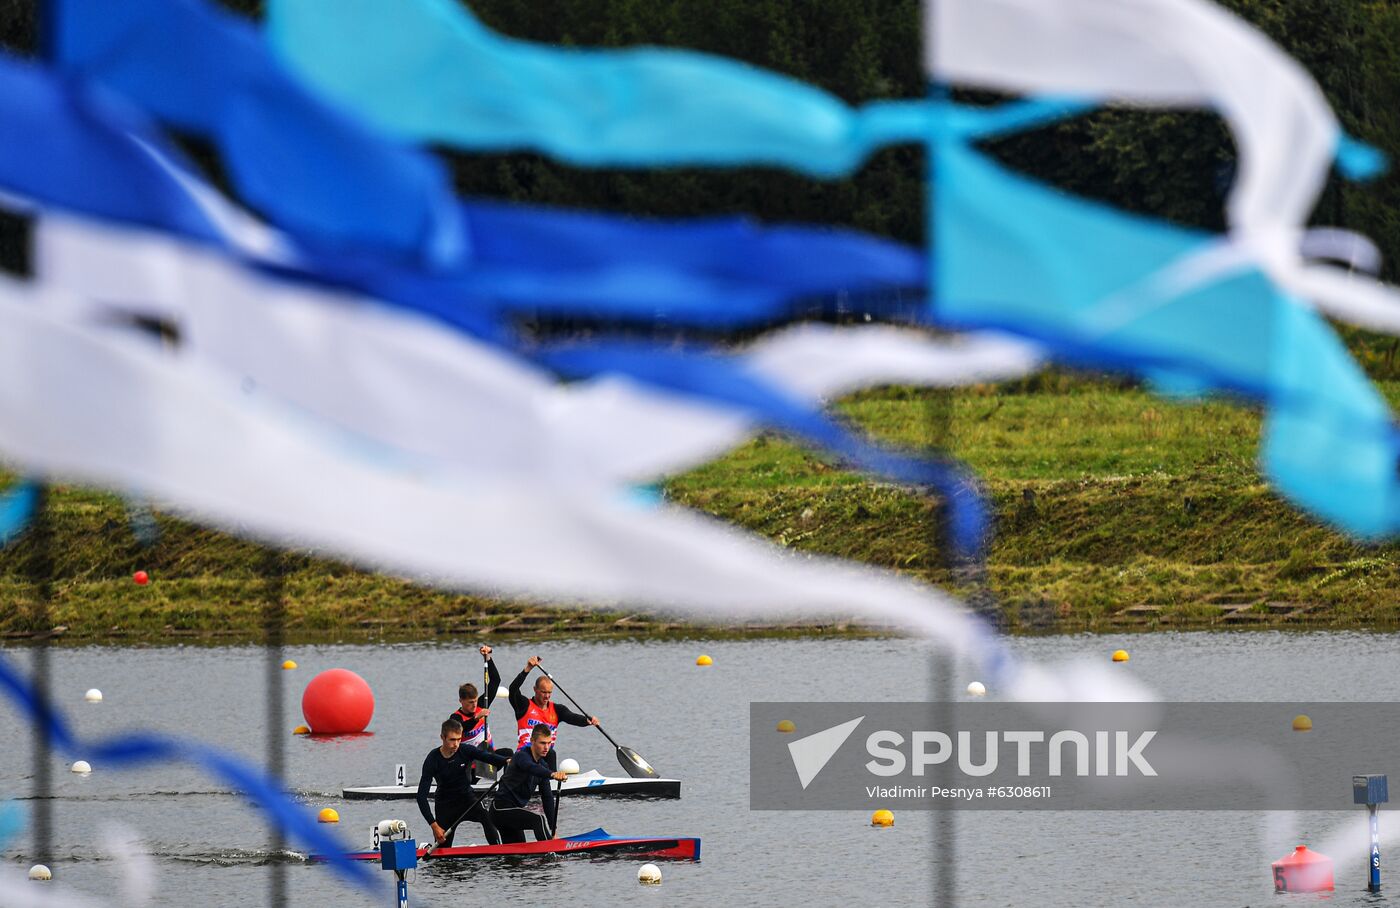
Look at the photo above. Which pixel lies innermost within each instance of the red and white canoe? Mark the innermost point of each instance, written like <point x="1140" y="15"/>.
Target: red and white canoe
<point x="596" y="842"/>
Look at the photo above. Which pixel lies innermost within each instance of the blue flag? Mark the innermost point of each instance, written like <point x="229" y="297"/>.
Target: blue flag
<point x="429" y="70"/>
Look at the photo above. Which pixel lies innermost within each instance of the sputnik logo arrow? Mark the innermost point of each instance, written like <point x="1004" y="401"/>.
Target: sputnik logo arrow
<point x="812" y="753"/>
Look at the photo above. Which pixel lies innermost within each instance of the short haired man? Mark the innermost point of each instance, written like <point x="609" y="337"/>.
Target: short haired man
<point x="450" y="765"/>
<point x="540" y="710"/>
<point x="527" y="772"/>
<point x="476" y="706"/>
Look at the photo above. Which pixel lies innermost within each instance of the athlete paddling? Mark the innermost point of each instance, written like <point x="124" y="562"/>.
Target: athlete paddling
<point x="475" y="706"/>
<point x="540" y="710"/>
<point x="527" y="772"/>
<point x="451" y="766"/>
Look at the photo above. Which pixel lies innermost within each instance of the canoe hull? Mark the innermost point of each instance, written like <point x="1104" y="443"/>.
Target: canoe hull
<point x="597" y="842"/>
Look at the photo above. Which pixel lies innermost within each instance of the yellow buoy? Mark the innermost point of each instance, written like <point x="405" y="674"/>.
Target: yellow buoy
<point x="704" y="660"/>
<point x="328" y="815"/>
<point x="786" y="726"/>
<point x="882" y="817"/>
<point x="40" y="873"/>
<point x="1120" y="655"/>
<point x="288" y="665"/>
<point x="301" y="730"/>
<point x="1302" y="723"/>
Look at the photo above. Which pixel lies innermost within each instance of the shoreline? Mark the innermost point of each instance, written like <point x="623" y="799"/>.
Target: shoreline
<point x="1113" y="513"/>
<point x="592" y="626"/>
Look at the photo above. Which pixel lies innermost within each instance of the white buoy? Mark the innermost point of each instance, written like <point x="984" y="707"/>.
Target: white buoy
<point x="569" y="766"/>
<point x="40" y="873"/>
<point x="93" y="696"/>
<point x="82" y="766"/>
<point x="977" y="689"/>
<point x="649" y="874"/>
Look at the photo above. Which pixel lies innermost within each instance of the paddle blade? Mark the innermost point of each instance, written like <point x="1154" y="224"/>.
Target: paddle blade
<point x="634" y="764"/>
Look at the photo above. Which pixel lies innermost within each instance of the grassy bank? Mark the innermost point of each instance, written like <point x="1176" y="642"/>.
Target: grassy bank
<point x="1113" y="508"/>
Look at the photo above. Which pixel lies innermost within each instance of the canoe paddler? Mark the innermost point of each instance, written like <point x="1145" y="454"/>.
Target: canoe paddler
<point x="450" y="765"/>
<point x="476" y="705"/>
<point x="527" y="772"/>
<point x="540" y="710"/>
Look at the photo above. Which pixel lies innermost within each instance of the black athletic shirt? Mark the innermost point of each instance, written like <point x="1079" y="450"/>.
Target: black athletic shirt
<point x="523" y="775"/>
<point x="454" y="775"/>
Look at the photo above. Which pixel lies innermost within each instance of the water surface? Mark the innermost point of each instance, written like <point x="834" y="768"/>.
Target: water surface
<point x="692" y="723"/>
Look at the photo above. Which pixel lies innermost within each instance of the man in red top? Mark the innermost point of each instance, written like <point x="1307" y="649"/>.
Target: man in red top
<point x="540" y="710"/>
<point x="475" y="709"/>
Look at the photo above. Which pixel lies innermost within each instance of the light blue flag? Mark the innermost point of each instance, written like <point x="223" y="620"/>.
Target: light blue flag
<point x="429" y="70"/>
<point x="17" y="506"/>
<point x="1082" y="278"/>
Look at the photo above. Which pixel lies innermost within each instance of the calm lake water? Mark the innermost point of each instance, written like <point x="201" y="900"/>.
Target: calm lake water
<point x="692" y="723"/>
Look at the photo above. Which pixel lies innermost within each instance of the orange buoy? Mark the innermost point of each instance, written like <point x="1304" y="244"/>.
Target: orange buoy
<point x="1303" y="871"/>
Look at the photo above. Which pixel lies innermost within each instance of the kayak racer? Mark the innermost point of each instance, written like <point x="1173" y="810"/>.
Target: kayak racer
<point x="527" y="772"/>
<point x="475" y="707"/>
<point x="540" y="710"/>
<point x="450" y="765"/>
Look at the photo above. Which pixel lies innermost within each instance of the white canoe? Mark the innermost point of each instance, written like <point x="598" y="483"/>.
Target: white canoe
<point x="584" y="783"/>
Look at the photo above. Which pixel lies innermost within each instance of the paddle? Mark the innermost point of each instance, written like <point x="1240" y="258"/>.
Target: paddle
<point x="632" y="762"/>
<point x="554" y="821"/>
<point x="428" y="852"/>
<point x="486" y="770"/>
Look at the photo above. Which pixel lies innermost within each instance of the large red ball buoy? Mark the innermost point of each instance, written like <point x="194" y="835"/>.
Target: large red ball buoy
<point x="337" y="702"/>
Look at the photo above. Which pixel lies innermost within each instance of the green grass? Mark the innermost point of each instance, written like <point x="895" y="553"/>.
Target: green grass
<point x="1105" y="497"/>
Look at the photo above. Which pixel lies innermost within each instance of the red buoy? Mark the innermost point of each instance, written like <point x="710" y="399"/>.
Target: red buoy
<point x="1303" y="871"/>
<point x="337" y="702"/>
<point x="141" y="578"/>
